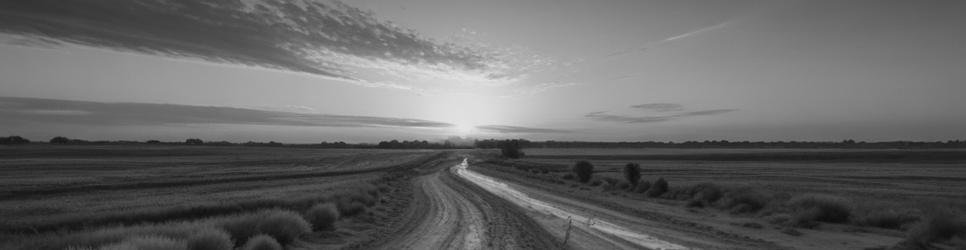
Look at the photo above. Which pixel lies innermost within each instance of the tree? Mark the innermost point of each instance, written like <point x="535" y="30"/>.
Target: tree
<point x="13" y="140"/>
<point x="584" y="170"/>
<point x="511" y="149"/>
<point x="194" y="141"/>
<point x="59" y="140"/>
<point x="632" y="173"/>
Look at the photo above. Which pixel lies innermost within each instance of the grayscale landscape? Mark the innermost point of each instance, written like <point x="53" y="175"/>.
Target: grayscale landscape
<point x="504" y="124"/>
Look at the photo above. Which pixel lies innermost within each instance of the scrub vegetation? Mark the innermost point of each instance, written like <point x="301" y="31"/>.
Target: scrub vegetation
<point x="874" y="191"/>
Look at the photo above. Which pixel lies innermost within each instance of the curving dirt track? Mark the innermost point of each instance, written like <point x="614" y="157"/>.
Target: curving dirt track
<point x="458" y="208"/>
<point x="451" y="213"/>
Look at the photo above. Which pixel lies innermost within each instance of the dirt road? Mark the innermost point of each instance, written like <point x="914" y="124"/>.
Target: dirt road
<point x="450" y="213"/>
<point x="458" y="208"/>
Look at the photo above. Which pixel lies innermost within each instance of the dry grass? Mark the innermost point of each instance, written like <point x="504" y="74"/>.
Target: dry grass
<point x="210" y="239"/>
<point x="261" y="242"/>
<point x="323" y="216"/>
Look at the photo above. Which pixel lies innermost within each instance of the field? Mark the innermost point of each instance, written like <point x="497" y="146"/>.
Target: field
<point x="903" y="185"/>
<point x="54" y="190"/>
<point x="104" y="196"/>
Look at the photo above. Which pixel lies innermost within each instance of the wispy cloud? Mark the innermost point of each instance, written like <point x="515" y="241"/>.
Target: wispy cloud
<point x="516" y="129"/>
<point x="659" y="107"/>
<point x="33" y="110"/>
<point x="654" y="107"/>
<point x="323" y="37"/>
<point x="98" y="113"/>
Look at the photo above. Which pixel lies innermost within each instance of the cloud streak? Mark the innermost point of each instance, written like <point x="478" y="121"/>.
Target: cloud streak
<point x="16" y="110"/>
<point x="521" y="130"/>
<point x="120" y="114"/>
<point x="324" y="37"/>
<point x="659" y="107"/>
<point x="654" y="107"/>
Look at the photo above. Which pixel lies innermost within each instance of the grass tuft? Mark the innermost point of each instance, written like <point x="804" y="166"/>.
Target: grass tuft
<point x="210" y="239"/>
<point x="262" y="242"/>
<point x="810" y="208"/>
<point x="284" y="225"/>
<point x="323" y="216"/>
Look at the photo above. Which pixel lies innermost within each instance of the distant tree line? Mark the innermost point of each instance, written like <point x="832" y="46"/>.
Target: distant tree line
<point x="513" y="148"/>
<point x="492" y="143"/>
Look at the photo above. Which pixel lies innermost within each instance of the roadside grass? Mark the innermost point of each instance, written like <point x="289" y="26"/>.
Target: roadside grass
<point x="282" y="223"/>
<point x="262" y="242"/>
<point x="210" y="239"/>
<point x="806" y="210"/>
<point x="323" y="216"/>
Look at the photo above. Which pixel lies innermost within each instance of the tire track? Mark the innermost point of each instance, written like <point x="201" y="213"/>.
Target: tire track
<point x="450" y="213"/>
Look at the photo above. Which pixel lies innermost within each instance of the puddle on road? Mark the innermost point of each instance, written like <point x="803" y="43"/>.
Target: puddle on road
<point x="505" y="191"/>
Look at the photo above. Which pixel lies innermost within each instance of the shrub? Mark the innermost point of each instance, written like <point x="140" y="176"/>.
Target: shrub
<point x="888" y="218"/>
<point x="596" y="183"/>
<point x="623" y="185"/>
<point x="511" y="148"/>
<point x="584" y="170"/>
<point x="642" y="187"/>
<point x="285" y="226"/>
<point x="568" y="176"/>
<point x="348" y="207"/>
<point x="210" y="239"/>
<point x="59" y="140"/>
<point x="694" y="203"/>
<point x="821" y="207"/>
<point x="194" y="141"/>
<point x="323" y="216"/>
<point x="743" y="201"/>
<point x="262" y="242"/>
<point x="632" y="173"/>
<point x="147" y="242"/>
<point x="660" y="187"/>
<point x="937" y="226"/>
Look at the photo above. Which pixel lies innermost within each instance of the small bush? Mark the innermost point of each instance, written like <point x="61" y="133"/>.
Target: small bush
<point x="596" y="183"/>
<point x="349" y="208"/>
<point x="262" y="242"/>
<point x="888" y="218"/>
<point x="632" y="173"/>
<point x="584" y="171"/>
<point x="694" y="204"/>
<point x="743" y="201"/>
<point x="820" y="207"/>
<point x="59" y="140"/>
<point x="568" y="176"/>
<point x="323" y="216"/>
<point x="939" y="226"/>
<point x="623" y="185"/>
<point x="642" y="187"/>
<point x="210" y="239"/>
<point x="285" y="226"/>
<point x="606" y="187"/>
<point x="660" y="187"/>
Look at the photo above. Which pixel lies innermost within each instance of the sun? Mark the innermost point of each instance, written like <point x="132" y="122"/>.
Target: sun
<point x="464" y="128"/>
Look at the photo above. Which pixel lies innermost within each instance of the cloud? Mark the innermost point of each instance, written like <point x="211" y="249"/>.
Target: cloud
<point x="97" y="113"/>
<point x="659" y="107"/>
<point x="321" y="37"/>
<point x="604" y="116"/>
<point x="516" y="129"/>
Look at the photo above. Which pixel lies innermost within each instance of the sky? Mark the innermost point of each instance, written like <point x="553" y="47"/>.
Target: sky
<point x="369" y="70"/>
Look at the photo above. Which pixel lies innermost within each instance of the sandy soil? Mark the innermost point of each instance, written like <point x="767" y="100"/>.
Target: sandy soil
<point x="450" y="213"/>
